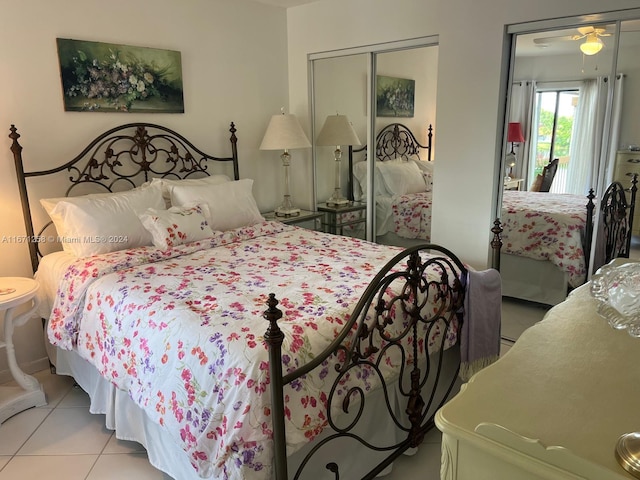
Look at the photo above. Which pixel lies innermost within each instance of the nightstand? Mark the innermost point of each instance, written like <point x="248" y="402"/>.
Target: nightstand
<point x="16" y="291"/>
<point x="303" y="216"/>
<point x="335" y="219"/>
<point x="513" y="183"/>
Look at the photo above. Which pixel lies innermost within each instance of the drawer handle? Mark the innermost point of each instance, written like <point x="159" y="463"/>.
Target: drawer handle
<point x="633" y="160"/>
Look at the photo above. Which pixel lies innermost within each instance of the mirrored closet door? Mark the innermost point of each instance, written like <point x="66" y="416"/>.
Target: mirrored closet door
<point x="340" y="114"/>
<point x="570" y="113"/>
<point x="349" y="87"/>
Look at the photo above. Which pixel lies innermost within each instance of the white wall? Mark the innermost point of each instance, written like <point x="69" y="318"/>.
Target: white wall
<point x="470" y="70"/>
<point x="234" y="66"/>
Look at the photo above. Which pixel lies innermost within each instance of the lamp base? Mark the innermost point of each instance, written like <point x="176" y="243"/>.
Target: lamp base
<point x="337" y="202"/>
<point x="287" y="212"/>
<point x="628" y="453"/>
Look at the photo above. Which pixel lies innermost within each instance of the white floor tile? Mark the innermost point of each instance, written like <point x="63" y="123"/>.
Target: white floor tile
<point x="68" y="431"/>
<point x="59" y="467"/>
<point x="425" y="463"/>
<point x="75" y="397"/>
<point x="123" y="446"/>
<point x="132" y="465"/>
<point x="518" y="315"/>
<point x="15" y="431"/>
<point x="55" y="386"/>
<point x="504" y="348"/>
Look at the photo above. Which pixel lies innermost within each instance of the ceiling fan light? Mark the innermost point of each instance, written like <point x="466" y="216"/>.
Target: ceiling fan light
<point x="591" y="45"/>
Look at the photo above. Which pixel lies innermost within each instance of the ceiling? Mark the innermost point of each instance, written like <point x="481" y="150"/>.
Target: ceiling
<point x="287" y="3"/>
<point x="527" y="46"/>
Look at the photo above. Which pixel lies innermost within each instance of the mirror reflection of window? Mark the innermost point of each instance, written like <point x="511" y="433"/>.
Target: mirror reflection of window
<point x="560" y="96"/>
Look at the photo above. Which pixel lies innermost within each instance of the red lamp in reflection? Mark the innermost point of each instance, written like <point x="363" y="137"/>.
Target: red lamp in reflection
<point x="514" y="134"/>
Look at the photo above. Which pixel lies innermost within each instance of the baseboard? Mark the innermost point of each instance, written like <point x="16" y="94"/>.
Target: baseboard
<point x="30" y="368"/>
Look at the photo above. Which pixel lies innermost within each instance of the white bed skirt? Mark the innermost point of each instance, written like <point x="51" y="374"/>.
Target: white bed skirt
<point x="533" y="280"/>
<point x="130" y="423"/>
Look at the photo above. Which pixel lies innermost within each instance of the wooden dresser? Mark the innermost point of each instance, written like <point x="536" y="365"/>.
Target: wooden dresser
<point x="628" y="163"/>
<point x="553" y="407"/>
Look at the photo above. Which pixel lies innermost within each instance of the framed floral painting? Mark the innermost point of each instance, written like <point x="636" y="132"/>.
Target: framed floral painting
<point x="105" y="77"/>
<point x="394" y="96"/>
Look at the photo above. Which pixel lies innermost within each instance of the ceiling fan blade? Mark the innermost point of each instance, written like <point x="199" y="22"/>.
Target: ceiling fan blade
<point x="547" y="40"/>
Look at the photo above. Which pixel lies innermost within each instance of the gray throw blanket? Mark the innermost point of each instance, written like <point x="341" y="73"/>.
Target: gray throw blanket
<point x="480" y="336"/>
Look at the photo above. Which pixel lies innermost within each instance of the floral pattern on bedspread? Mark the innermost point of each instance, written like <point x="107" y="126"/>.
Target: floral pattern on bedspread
<point x="181" y="331"/>
<point x="546" y="226"/>
<point x="412" y="215"/>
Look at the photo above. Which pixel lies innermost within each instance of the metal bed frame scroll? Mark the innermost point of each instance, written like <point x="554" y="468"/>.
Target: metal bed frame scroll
<point x="438" y="277"/>
<point x="132" y="153"/>
<point x="393" y="141"/>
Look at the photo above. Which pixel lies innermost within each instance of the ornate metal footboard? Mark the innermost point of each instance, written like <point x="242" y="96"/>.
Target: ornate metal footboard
<point x="397" y="336"/>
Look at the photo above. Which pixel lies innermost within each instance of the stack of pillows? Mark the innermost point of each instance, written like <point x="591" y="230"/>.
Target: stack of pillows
<point x="163" y="213"/>
<point x="395" y="177"/>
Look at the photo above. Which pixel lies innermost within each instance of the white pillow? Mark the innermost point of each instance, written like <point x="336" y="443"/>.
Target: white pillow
<point x="104" y="222"/>
<point x="425" y="166"/>
<point x="165" y="183"/>
<point x="402" y="178"/>
<point x="177" y="225"/>
<point x="360" y="175"/>
<point x="427" y="171"/>
<point x="231" y="204"/>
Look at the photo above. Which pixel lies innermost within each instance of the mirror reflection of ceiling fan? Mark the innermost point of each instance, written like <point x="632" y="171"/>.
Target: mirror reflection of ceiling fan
<point x="592" y="42"/>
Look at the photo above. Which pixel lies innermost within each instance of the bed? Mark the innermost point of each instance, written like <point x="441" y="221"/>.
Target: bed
<point x="234" y="347"/>
<point x="545" y="246"/>
<point x="403" y="183"/>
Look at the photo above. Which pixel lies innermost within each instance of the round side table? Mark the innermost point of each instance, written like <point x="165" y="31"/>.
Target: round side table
<point x="16" y="291"/>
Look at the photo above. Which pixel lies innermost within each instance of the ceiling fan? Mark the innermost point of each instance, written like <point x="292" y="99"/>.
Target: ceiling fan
<point x="592" y="44"/>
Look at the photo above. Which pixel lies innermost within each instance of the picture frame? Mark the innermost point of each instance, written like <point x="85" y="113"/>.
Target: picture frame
<point x="395" y="97"/>
<point x="108" y="77"/>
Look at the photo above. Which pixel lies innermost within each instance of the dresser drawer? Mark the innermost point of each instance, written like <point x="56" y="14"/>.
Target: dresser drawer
<point x="626" y="163"/>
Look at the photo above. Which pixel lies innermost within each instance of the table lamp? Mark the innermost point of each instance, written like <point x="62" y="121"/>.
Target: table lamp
<point x="514" y="135"/>
<point x="337" y="130"/>
<point x="284" y="133"/>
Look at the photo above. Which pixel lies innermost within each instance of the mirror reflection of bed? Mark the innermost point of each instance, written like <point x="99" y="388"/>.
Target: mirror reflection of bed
<point x="402" y="184"/>
<point x="561" y="98"/>
<point x="340" y="87"/>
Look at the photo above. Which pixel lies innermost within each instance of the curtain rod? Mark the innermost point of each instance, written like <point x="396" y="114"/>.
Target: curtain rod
<point x="606" y="77"/>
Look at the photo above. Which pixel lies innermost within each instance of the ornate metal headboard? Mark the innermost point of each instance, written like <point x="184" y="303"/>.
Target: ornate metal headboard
<point x="132" y="153"/>
<point x="617" y="216"/>
<point x="394" y="141"/>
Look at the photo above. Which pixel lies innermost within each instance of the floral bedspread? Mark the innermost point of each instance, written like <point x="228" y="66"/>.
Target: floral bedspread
<point x="546" y="226"/>
<point x="181" y="330"/>
<point x="412" y="215"/>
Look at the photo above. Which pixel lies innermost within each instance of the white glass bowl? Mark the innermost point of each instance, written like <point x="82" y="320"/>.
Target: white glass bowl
<point x="617" y="290"/>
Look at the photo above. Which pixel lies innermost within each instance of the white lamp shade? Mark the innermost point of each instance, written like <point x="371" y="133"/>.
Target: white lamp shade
<point x="591" y="45"/>
<point x="283" y="133"/>
<point x="337" y="130"/>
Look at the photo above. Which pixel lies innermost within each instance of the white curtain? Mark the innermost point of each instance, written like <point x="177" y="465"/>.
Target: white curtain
<point x="609" y="148"/>
<point x="586" y="144"/>
<point x="614" y="142"/>
<point x="521" y="110"/>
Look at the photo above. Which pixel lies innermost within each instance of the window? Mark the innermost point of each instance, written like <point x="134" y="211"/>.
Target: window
<point x="555" y="113"/>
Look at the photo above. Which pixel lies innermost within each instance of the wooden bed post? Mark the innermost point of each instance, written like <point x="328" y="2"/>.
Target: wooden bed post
<point x="274" y="338"/>
<point x="496" y="244"/>
<point x="632" y="208"/>
<point x="588" y="229"/>
<point x="234" y="150"/>
<point x="16" y="148"/>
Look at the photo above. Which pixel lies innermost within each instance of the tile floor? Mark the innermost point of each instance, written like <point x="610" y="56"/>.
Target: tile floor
<point x="64" y="441"/>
